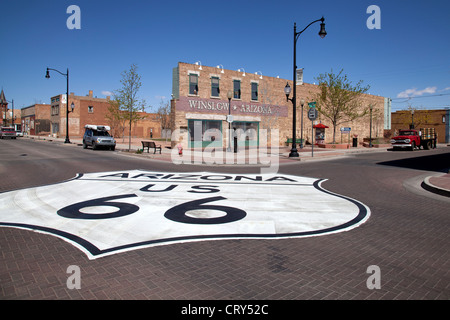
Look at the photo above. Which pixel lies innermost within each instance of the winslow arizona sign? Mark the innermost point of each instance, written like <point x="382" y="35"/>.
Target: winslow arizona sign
<point x="110" y="212"/>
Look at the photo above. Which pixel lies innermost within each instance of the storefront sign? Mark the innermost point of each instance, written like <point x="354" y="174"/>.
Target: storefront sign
<point x="237" y="107"/>
<point x="111" y="212"/>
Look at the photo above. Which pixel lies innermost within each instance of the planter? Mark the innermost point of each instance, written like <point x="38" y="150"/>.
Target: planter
<point x="335" y="146"/>
<point x="376" y="145"/>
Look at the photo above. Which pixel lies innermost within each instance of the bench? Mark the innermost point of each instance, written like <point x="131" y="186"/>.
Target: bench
<point x="150" y="144"/>
<point x="289" y="141"/>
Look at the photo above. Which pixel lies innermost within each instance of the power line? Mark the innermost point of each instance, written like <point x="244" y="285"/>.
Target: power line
<point x="409" y="98"/>
<point x="421" y="108"/>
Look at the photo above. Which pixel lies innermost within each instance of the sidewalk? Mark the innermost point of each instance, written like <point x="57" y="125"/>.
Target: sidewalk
<point x="439" y="185"/>
<point x="243" y="156"/>
<point x="436" y="184"/>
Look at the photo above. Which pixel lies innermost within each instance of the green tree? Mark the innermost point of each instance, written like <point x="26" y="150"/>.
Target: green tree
<point x="127" y="98"/>
<point x="338" y="100"/>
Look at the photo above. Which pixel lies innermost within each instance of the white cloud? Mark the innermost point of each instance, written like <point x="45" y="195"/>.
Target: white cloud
<point x="409" y="93"/>
<point x="107" y="93"/>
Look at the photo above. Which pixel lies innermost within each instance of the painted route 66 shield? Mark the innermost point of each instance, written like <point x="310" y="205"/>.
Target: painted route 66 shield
<point x="110" y="212"/>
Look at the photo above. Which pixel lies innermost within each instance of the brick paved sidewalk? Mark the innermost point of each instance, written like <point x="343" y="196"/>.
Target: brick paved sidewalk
<point x="439" y="185"/>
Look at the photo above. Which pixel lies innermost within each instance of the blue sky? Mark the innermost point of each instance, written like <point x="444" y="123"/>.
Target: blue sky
<point x="408" y="59"/>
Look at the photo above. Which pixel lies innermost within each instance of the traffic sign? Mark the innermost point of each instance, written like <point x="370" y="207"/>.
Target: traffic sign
<point x="312" y="104"/>
<point x="346" y="129"/>
<point x="313" y="114"/>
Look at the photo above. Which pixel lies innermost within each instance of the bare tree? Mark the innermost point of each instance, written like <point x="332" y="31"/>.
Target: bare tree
<point x="127" y="98"/>
<point x="163" y="113"/>
<point x="115" y="119"/>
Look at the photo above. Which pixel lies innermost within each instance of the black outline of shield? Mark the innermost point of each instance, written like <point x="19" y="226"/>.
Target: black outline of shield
<point x="93" y="252"/>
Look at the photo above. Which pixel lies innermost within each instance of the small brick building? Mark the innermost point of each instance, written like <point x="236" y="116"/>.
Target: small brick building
<point x="92" y="110"/>
<point x="36" y="119"/>
<point x="438" y="119"/>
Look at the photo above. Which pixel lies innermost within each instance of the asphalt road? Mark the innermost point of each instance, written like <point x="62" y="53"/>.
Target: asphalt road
<point x="406" y="237"/>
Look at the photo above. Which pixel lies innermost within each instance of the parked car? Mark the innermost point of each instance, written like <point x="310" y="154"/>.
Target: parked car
<point x="7" y="133"/>
<point x="19" y="133"/>
<point x="97" y="137"/>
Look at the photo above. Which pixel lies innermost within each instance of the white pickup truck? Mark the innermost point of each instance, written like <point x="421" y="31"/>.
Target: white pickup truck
<point x="8" y="133"/>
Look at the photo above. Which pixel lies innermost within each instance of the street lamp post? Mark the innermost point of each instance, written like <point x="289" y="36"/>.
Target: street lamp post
<point x="47" y="75"/>
<point x="412" y="119"/>
<point x="229" y="96"/>
<point x="302" y="102"/>
<point x="287" y="90"/>
<point x="370" y="130"/>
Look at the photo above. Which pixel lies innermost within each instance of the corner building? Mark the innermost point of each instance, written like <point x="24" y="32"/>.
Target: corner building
<point x="200" y="106"/>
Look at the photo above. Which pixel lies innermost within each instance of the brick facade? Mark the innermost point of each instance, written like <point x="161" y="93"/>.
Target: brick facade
<point x="268" y="109"/>
<point x="92" y="110"/>
<point x="36" y="119"/>
<point x="438" y="119"/>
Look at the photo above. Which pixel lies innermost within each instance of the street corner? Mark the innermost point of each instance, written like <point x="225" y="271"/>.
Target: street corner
<point x="438" y="184"/>
<point x="110" y="212"/>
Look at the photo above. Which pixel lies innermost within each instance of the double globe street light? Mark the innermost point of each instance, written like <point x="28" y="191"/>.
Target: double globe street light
<point x="47" y="76"/>
<point x="287" y="88"/>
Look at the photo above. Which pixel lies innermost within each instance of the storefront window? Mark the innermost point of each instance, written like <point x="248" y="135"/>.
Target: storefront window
<point x="205" y="133"/>
<point x="247" y="133"/>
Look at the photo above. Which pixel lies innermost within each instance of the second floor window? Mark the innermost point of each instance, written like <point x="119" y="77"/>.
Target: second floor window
<point x="193" y="84"/>
<point x="236" y="89"/>
<point x="55" y="110"/>
<point x="215" y="90"/>
<point x="254" y="91"/>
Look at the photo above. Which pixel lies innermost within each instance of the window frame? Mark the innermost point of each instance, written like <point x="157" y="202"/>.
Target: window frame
<point x="237" y="91"/>
<point x="254" y="93"/>
<point x="193" y="85"/>
<point x="215" y="87"/>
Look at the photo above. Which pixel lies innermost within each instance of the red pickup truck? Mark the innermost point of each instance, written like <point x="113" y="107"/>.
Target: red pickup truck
<point x="412" y="139"/>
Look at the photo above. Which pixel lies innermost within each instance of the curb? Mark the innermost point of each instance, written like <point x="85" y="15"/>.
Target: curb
<point x="427" y="185"/>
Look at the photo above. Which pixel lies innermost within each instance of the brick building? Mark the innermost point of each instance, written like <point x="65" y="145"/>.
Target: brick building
<point x="92" y="110"/>
<point x="36" y="119"/>
<point x="200" y="107"/>
<point x="438" y="119"/>
<point x="87" y="110"/>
